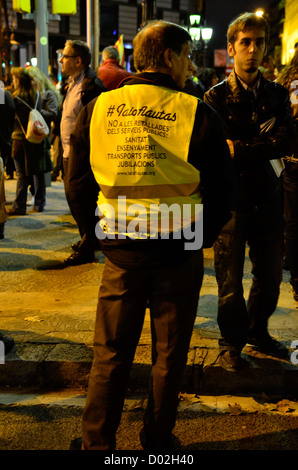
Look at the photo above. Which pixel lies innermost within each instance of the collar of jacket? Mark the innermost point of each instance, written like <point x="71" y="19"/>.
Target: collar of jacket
<point x="111" y="61"/>
<point x="89" y="76"/>
<point x="151" y="78"/>
<point x="236" y="91"/>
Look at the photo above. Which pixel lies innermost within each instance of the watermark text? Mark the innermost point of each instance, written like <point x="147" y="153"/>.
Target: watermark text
<point x="137" y="221"/>
<point x="2" y="353"/>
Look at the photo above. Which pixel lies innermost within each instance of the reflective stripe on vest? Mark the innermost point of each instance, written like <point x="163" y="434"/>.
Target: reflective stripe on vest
<point x="139" y="144"/>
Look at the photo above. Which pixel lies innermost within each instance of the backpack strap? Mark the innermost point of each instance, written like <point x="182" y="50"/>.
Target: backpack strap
<point x="24" y="102"/>
<point x="37" y="97"/>
<point x="21" y="125"/>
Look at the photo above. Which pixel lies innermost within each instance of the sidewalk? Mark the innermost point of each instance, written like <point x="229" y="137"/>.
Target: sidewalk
<point x="50" y="313"/>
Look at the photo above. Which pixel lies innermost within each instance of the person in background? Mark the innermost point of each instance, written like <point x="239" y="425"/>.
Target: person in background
<point x="267" y="68"/>
<point x="50" y="105"/>
<point x="189" y="164"/>
<point x="208" y="77"/>
<point x="30" y="161"/>
<point x="6" y="124"/>
<point x="51" y="98"/>
<point x="83" y="86"/>
<point x="7" y="113"/>
<point x="259" y="129"/>
<point x="193" y="84"/>
<point x="110" y="71"/>
<point x="289" y="79"/>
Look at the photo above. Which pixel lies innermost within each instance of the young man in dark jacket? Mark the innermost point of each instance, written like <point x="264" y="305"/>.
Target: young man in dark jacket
<point x="83" y="87"/>
<point x="151" y="146"/>
<point x="258" y="124"/>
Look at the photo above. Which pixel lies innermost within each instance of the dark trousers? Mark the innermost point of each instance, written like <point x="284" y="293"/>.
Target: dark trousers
<point x="173" y="294"/>
<point x="262" y="230"/>
<point x="83" y="212"/>
<point x="24" y="181"/>
<point x="290" y="180"/>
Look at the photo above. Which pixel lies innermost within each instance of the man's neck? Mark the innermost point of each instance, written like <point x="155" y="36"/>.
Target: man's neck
<point x="249" y="78"/>
<point x="76" y="75"/>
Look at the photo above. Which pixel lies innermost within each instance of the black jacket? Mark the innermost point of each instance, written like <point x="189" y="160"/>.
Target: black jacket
<point x="242" y="117"/>
<point x="7" y="113"/>
<point x="208" y="152"/>
<point x="92" y="86"/>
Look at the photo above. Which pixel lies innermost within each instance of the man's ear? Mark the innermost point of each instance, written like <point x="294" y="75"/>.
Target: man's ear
<point x="231" y="50"/>
<point x="168" y="57"/>
<point x="79" y="61"/>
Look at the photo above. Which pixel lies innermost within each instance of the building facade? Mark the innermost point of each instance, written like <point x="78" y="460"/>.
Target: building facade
<point x="117" y="17"/>
<point x="290" y="31"/>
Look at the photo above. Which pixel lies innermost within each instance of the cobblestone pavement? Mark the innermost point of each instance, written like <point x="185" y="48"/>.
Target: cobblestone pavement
<point x="50" y="311"/>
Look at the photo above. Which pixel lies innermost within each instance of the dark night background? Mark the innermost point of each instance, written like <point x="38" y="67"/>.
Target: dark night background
<point x="219" y="13"/>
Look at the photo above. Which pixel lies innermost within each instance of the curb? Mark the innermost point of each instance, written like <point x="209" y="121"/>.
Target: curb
<point x="54" y="366"/>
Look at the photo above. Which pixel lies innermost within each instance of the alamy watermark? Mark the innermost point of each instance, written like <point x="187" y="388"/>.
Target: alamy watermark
<point x="294" y="354"/>
<point x="2" y="94"/>
<point x="137" y="221"/>
<point x="294" y="94"/>
<point x="2" y="353"/>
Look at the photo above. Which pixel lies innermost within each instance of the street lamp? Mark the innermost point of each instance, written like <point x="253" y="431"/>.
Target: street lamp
<point x="199" y="34"/>
<point x="206" y="36"/>
<point x="194" y="20"/>
<point x="195" y="30"/>
<point x="195" y="33"/>
<point x="259" y="12"/>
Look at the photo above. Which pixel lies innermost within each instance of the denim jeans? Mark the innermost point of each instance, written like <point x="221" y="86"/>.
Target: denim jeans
<point x="23" y="181"/>
<point x="261" y="229"/>
<point x="290" y="180"/>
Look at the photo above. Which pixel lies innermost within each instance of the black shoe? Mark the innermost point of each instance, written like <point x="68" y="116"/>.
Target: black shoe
<point x="232" y="361"/>
<point x="76" y="444"/>
<point x="267" y="345"/>
<point x="37" y="209"/>
<point x="170" y="444"/>
<point x="295" y="293"/>
<point x="1" y="231"/>
<point x="78" y="258"/>
<point x="8" y="342"/>
<point x="75" y="246"/>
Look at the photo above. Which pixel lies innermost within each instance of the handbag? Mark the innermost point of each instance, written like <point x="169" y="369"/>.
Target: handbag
<point x="37" y="128"/>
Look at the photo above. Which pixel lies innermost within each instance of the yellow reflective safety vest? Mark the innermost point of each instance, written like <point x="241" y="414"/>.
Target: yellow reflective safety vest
<point x="139" y="143"/>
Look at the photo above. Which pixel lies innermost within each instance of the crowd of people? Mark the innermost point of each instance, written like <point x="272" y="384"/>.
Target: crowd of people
<point x="220" y="144"/>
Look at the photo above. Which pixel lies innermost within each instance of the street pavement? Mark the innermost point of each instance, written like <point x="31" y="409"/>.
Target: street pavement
<point x="50" y="311"/>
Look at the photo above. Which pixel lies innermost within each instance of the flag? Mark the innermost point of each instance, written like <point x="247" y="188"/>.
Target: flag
<point x="120" y="46"/>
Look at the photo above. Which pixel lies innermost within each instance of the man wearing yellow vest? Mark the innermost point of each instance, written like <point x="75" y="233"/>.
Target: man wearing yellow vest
<point x="158" y="155"/>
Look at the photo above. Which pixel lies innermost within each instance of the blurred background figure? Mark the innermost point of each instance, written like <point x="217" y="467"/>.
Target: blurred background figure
<point x="6" y="128"/>
<point x="83" y="86"/>
<point x="110" y="71"/>
<point x="51" y="102"/>
<point x="51" y="98"/>
<point x="208" y="77"/>
<point x="193" y="85"/>
<point x="289" y="79"/>
<point x="267" y="68"/>
<point x="29" y="158"/>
